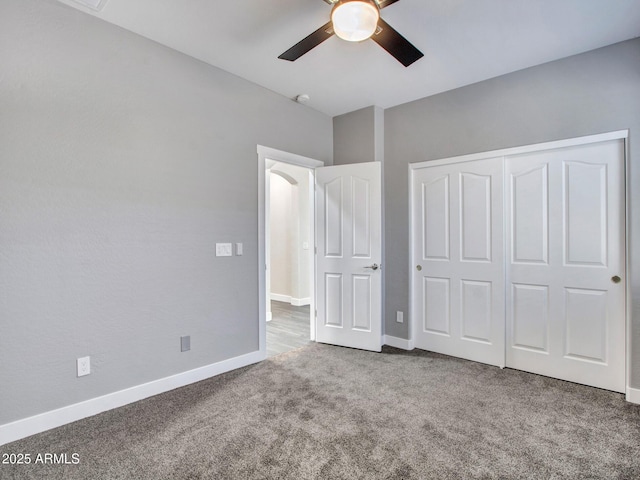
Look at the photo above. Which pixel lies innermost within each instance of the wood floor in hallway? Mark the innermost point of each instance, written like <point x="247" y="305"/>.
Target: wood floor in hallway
<point x="288" y="329"/>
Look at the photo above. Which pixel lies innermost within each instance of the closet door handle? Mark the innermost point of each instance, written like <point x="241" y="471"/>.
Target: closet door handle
<point x="373" y="267"/>
<point x="616" y="279"/>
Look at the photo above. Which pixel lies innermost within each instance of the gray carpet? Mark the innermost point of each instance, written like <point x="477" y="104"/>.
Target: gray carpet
<point x="336" y="413"/>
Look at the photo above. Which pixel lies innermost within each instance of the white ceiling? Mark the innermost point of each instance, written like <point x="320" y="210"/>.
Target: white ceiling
<point x="464" y="41"/>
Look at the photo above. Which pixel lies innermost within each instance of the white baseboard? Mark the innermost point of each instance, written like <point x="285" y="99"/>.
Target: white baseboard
<point x="398" y="342"/>
<point x="633" y="395"/>
<point x="300" y="302"/>
<point x="297" y="302"/>
<point x="55" y="418"/>
<point x="280" y="298"/>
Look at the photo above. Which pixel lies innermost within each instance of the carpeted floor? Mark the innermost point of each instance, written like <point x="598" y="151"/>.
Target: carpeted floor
<point x="336" y="413"/>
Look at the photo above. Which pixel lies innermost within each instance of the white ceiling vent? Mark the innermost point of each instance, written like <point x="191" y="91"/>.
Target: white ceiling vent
<point x="92" y="4"/>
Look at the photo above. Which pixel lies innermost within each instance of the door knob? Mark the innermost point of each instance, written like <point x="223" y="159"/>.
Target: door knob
<point x="419" y="267"/>
<point x="373" y="267"/>
<point x="616" y="279"/>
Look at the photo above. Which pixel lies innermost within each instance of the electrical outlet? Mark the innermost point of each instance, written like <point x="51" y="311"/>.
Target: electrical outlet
<point x="185" y="343"/>
<point x="84" y="366"/>
<point x="399" y="317"/>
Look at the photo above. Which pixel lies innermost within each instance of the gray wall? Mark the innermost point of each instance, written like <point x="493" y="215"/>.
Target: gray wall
<point x="591" y="93"/>
<point x="122" y="163"/>
<point x="359" y="136"/>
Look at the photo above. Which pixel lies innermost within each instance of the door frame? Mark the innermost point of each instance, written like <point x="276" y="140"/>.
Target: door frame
<point x="265" y="154"/>
<point x="632" y="395"/>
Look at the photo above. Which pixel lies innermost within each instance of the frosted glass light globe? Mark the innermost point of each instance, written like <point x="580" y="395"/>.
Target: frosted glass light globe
<point x="355" y="20"/>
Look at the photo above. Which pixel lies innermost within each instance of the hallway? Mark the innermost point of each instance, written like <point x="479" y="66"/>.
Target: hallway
<point x="289" y="328"/>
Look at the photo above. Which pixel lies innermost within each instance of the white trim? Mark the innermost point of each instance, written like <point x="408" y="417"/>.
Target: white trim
<point x="300" y="302"/>
<point x="397" y="342"/>
<point x="627" y="273"/>
<point x="280" y="298"/>
<point x="296" y="302"/>
<point x="265" y="153"/>
<point x="11" y="432"/>
<point x="633" y="395"/>
<point x="411" y="327"/>
<point x="94" y="7"/>
<point x="286" y="157"/>
<point x="571" y="142"/>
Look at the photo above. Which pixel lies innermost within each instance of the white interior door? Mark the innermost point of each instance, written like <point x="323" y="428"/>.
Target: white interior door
<point x="349" y="252"/>
<point x="458" y="260"/>
<point x="566" y="251"/>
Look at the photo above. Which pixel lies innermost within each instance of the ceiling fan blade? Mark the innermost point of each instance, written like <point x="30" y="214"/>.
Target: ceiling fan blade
<point x="385" y="3"/>
<point x="306" y="44"/>
<point x="396" y="44"/>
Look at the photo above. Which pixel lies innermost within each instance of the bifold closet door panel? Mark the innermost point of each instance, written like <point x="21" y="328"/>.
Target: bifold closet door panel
<point x="565" y="252"/>
<point x="458" y="256"/>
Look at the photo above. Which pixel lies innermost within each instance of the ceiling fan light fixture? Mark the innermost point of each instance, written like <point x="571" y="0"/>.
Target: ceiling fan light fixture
<point x="355" y="20"/>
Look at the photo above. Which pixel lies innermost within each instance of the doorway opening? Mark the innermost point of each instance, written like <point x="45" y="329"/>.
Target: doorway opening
<point x="286" y="254"/>
<point x="288" y="214"/>
<point x="345" y="302"/>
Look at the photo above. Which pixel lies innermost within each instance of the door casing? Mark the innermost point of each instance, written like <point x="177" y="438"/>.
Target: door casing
<point x="264" y="154"/>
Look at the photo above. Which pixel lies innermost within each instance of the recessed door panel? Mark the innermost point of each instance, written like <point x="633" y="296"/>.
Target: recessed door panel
<point x="333" y="299"/>
<point x="435" y="219"/>
<point x="334" y="209"/>
<point x="436" y="308"/>
<point x="361" y="285"/>
<point x="530" y="317"/>
<point x="361" y="227"/>
<point x="586" y="324"/>
<point x="475" y="217"/>
<point x="476" y="311"/>
<point x="530" y="220"/>
<point x="585" y="201"/>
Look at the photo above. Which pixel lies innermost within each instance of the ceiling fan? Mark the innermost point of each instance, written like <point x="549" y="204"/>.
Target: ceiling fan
<point x="355" y="21"/>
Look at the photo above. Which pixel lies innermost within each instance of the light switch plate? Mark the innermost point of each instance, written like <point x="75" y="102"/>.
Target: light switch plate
<point x="223" y="250"/>
<point x="238" y="248"/>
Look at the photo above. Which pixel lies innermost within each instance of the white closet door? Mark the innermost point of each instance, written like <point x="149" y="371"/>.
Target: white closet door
<point x="565" y="251"/>
<point x="458" y="260"/>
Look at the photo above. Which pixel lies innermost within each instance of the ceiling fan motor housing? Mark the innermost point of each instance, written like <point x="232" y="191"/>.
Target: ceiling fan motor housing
<point x="355" y="20"/>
